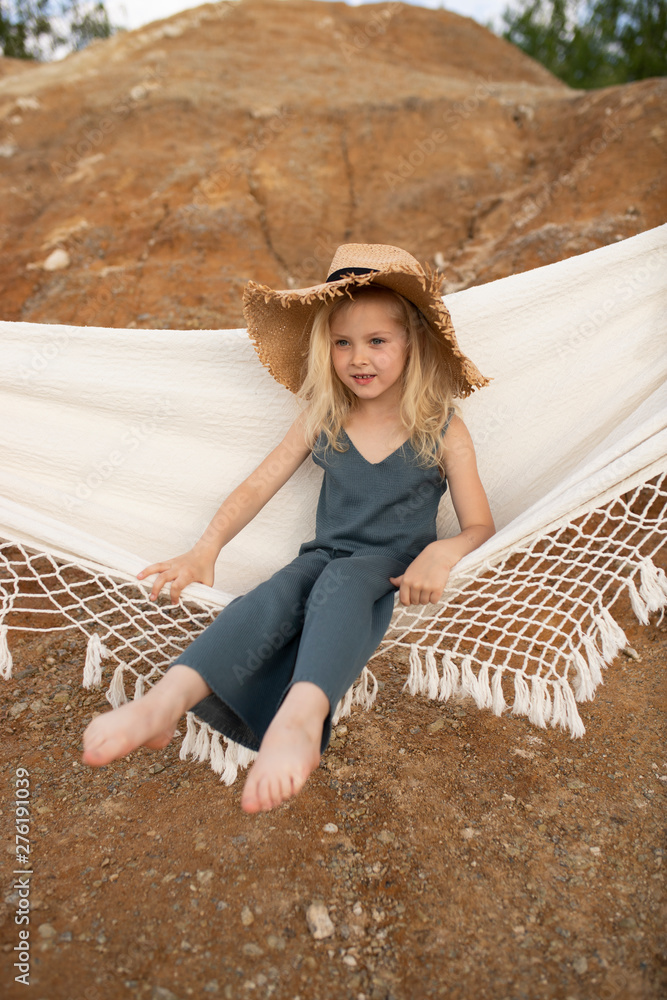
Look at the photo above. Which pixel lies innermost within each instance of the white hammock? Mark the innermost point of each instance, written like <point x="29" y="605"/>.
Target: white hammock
<point x="119" y="445"/>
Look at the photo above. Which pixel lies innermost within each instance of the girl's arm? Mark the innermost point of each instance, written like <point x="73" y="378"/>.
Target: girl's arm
<point x="424" y="579"/>
<point x="239" y="508"/>
<point x="467" y="494"/>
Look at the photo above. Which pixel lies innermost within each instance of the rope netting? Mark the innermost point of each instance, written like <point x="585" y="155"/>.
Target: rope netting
<point x="532" y="633"/>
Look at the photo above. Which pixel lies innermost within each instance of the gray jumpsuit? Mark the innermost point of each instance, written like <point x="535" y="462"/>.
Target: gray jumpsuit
<point x="321" y="617"/>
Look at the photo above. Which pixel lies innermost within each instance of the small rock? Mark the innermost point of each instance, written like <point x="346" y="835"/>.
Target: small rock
<point x="350" y="960"/>
<point x="57" y="260"/>
<point x="253" y="949"/>
<point x="247" y="917"/>
<point x="156" y="768"/>
<point x="341" y="730"/>
<point x="37" y="705"/>
<point x="212" y="986"/>
<point x="519" y="930"/>
<point x="32" y="104"/>
<point x="8" y="149"/>
<point x="47" y="931"/>
<point x="575" y="785"/>
<point x="318" y="920"/>
<point x="275" y="942"/>
<point x="631" y="653"/>
<point x="17" y="708"/>
<point x="60" y="697"/>
<point x="386" y="837"/>
<point x="330" y="828"/>
<point x="204" y="877"/>
<point x="186" y="946"/>
<point x="435" y="726"/>
<point x="162" y="993"/>
<point x="580" y="965"/>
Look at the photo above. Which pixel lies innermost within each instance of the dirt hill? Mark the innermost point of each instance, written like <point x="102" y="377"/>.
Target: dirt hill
<point x="167" y="165"/>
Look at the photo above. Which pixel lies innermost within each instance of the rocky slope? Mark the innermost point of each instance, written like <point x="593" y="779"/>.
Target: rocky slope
<point x="145" y="179"/>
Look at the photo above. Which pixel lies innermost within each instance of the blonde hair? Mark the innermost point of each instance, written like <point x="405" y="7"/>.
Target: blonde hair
<point x="426" y="395"/>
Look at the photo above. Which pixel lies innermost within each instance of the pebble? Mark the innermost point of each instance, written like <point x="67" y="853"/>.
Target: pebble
<point x="318" y="920"/>
<point x="330" y="828"/>
<point x="57" y="260"/>
<point x="17" y="708"/>
<point x="386" y="837"/>
<point x="349" y="960"/>
<point x="275" y="942"/>
<point x="162" y="993"/>
<point x="253" y="949"/>
<point x="47" y="930"/>
<point x="247" y="917"/>
<point x="204" y="877"/>
<point x="580" y="965"/>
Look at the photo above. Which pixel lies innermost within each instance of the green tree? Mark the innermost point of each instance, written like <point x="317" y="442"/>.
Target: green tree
<point x="35" y="29"/>
<point x="592" y="43"/>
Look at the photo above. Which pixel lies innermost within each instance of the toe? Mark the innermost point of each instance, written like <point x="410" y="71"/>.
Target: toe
<point x="266" y="794"/>
<point x="249" y="800"/>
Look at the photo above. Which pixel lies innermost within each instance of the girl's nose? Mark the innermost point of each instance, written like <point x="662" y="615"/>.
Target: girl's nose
<point x="359" y="356"/>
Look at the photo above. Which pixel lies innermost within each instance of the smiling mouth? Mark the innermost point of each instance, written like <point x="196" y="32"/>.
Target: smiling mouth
<point x="363" y="378"/>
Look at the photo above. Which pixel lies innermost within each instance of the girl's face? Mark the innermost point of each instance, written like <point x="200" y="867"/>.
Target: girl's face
<point x="367" y="341"/>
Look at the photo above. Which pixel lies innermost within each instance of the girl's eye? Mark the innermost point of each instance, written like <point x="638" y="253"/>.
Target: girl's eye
<point x="337" y="343"/>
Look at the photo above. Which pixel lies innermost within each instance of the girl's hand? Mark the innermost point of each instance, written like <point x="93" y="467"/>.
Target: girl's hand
<point x="191" y="567"/>
<point x="423" y="581"/>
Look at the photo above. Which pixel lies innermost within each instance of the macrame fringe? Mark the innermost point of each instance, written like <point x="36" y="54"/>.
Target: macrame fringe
<point x="543" y="700"/>
<point x="5" y="655"/>
<point x="357" y="694"/>
<point x="203" y="742"/>
<point x="652" y="593"/>
<point x="116" y="694"/>
<point x="92" y="670"/>
<point x="653" y="586"/>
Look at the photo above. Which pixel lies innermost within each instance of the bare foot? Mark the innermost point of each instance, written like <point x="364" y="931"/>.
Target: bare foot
<point x="149" y="721"/>
<point x="290" y="750"/>
<point x="115" y="734"/>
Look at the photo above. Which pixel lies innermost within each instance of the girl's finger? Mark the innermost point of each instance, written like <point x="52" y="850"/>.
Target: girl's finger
<point x="149" y="570"/>
<point x="159" y="584"/>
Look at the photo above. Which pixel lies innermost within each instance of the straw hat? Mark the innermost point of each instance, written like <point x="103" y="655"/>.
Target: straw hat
<point x="279" y="322"/>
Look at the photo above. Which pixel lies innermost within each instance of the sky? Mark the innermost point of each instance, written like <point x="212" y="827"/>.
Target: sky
<point x="134" y="13"/>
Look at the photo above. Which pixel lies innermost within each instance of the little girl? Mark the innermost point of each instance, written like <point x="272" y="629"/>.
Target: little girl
<point x="372" y="354"/>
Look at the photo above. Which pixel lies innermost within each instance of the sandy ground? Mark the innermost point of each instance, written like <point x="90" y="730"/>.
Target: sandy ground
<point x="457" y="854"/>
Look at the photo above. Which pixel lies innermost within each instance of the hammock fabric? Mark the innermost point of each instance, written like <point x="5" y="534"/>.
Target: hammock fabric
<point x="119" y="445"/>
